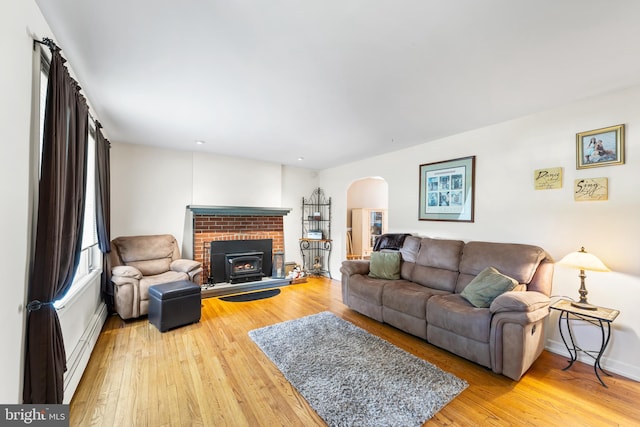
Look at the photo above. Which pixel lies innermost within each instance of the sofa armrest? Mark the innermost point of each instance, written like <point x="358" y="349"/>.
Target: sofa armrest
<point x="184" y="265"/>
<point x="126" y="271"/>
<point x="527" y="301"/>
<point x="517" y="331"/>
<point x="191" y="267"/>
<point x="351" y="267"/>
<point x="126" y="291"/>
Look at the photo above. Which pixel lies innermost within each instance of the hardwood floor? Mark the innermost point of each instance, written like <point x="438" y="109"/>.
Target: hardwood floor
<point x="212" y="374"/>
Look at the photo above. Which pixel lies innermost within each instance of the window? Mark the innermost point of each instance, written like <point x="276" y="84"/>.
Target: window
<point x="90" y="257"/>
<point x="44" y="80"/>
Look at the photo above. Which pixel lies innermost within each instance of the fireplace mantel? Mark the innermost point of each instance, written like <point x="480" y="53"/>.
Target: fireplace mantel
<point x="237" y="210"/>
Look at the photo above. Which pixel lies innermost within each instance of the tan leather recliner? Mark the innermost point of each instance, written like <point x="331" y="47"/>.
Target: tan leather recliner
<point x="138" y="262"/>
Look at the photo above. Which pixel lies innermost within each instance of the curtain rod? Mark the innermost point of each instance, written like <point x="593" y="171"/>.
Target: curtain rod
<point x="46" y="41"/>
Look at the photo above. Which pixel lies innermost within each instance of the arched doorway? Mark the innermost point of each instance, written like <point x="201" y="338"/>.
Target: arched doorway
<point x="367" y="207"/>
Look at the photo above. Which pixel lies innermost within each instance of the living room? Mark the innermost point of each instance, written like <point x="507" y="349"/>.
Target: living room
<point x="151" y="187"/>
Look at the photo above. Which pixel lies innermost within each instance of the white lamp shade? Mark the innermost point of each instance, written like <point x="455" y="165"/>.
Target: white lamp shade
<point x="582" y="260"/>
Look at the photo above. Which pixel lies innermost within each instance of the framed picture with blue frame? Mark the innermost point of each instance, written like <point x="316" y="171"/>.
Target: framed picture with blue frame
<point x="447" y="190"/>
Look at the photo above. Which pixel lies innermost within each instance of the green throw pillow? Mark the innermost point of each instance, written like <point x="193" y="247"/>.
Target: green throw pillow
<point x="385" y="265"/>
<point x="487" y="286"/>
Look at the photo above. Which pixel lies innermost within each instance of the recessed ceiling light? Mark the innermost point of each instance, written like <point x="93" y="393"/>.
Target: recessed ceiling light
<point x="200" y="142"/>
<point x="300" y="158"/>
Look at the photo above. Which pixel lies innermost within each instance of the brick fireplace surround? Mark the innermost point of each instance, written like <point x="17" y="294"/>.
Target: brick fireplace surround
<point x="216" y="223"/>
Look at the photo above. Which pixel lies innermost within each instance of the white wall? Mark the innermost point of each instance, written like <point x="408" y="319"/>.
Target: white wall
<point x="151" y="187"/>
<point x="508" y="209"/>
<point x="149" y="190"/>
<point x="228" y="181"/>
<point x="17" y="23"/>
<point x="296" y="184"/>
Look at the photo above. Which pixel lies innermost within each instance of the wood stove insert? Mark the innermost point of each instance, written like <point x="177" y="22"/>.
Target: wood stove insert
<point x="243" y="267"/>
<point x="223" y="260"/>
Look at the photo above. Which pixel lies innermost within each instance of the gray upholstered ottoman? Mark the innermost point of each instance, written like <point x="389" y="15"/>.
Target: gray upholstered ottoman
<point x="174" y="304"/>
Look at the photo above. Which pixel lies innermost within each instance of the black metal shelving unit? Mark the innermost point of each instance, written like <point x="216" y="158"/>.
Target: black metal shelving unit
<point x="315" y="243"/>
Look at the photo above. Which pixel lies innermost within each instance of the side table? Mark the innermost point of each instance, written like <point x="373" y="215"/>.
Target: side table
<point x="602" y="317"/>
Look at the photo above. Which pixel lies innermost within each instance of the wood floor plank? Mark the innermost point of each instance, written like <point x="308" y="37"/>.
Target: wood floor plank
<point x="212" y="374"/>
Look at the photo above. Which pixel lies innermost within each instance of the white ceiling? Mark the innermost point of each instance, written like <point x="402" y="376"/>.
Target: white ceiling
<point x="334" y="81"/>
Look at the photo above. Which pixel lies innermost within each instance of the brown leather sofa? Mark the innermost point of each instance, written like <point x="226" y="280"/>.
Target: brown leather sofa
<point x="507" y="337"/>
<point x="138" y="262"/>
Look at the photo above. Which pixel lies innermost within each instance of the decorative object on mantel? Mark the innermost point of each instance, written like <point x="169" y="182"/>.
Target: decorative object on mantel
<point x="582" y="260"/>
<point x="590" y="189"/>
<point x="547" y="179"/>
<point x="600" y="147"/>
<point x="278" y="265"/>
<point x="447" y="190"/>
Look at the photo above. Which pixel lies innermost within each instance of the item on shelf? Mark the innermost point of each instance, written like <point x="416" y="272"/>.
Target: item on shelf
<point x="314" y="234"/>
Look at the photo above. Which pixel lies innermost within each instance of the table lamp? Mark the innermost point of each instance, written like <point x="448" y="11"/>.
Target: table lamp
<point x="582" y="260"/>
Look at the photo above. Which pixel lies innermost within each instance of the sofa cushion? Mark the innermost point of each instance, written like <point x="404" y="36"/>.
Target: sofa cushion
<point x="138" y="248"/>
<point x="409" y="252"/>
<point x="366" y="288"/>
<point x="455" y="314"/>
<point x="166" y="277"/>
<point x="486" y="286"/>
<point x="440" y="253"/>
<point x="435" y="278"/>
<point x="151" y="267"/>
<point x="406" y="270"/>
<point x="408" y="297"/>
<point x="149" y="254"/>
<point x="410" y="248"/>
<point x="437" y="263"/>
<point x="385" y="265"/>
<point x="515" y="260"/>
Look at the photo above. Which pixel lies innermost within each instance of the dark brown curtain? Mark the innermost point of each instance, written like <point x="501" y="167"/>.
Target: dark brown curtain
<point x="103" y="211"/>
<point x="59" y="232"/>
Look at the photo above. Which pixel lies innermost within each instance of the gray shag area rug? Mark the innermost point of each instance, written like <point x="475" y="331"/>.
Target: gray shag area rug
<point x="353" y="378"/>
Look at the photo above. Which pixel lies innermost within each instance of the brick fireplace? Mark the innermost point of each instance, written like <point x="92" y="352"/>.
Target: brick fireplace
<point x="218" y="223"/>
